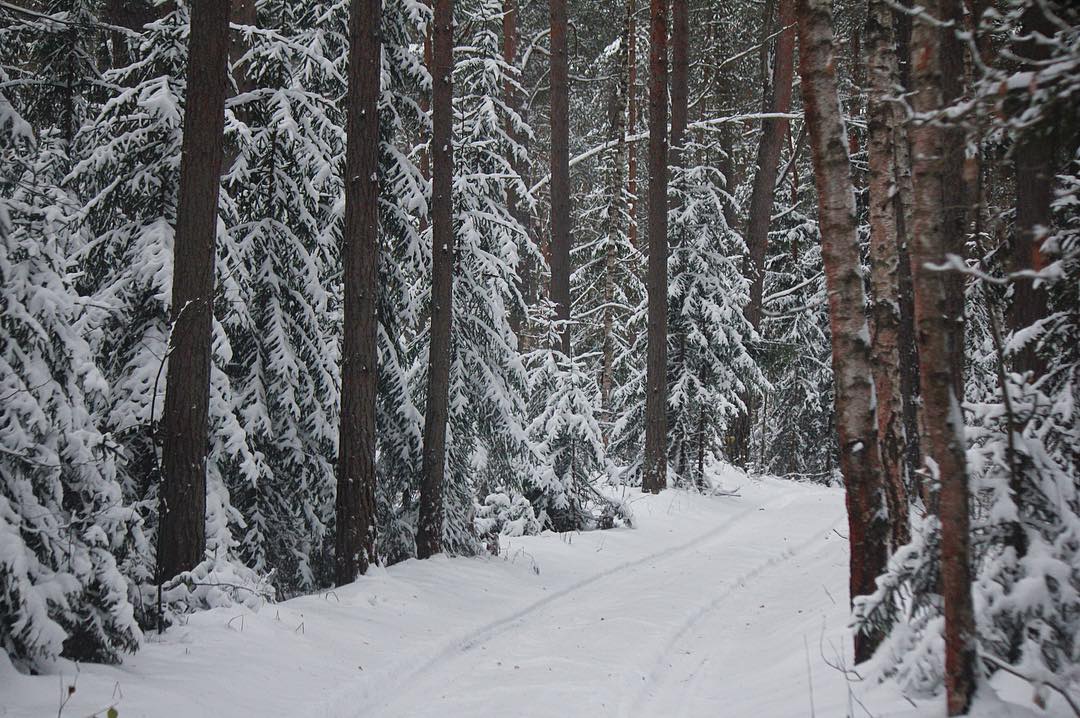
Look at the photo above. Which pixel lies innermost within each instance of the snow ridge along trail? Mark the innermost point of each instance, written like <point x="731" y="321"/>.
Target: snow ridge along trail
<point x="713" y="606"/>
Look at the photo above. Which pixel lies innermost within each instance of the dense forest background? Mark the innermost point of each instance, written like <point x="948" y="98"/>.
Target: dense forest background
<point x="623" y="297"/>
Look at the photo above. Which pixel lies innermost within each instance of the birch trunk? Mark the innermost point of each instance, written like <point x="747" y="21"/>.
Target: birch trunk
<point x="855" y="418"/>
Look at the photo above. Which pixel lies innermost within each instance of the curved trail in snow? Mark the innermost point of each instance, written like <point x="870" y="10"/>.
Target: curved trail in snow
<point x="604" y="645"/>
<point x="488" y="631"/>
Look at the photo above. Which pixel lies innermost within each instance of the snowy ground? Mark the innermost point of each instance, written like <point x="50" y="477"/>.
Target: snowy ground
<point x="713" y="606"/>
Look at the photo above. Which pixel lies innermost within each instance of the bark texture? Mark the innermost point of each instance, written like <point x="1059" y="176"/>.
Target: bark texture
<point x="654" y="477"/>
<point x="855" y="417"/>
<point x="885" y="132"/>
<point x="433" y="468"/>
<point x="560" y="173"/>
<point x="940" y="345"/>
<point x="182" y="533"/>
<point x="355" y="540"/>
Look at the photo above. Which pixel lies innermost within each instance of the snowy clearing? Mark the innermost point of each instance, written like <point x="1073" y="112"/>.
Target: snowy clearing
<point x="712" y="606"/>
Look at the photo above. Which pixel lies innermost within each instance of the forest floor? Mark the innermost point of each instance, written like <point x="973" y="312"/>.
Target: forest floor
<point x="712" y="606"/>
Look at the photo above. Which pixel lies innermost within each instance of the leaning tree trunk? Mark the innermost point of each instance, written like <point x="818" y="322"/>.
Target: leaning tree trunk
<point x="885" y="223"/>
<point x="855" y="420"/>
<point x="433" y="468"/>
<point x="763" y="194"/>
<point x="182" y="530"/>
<point x="773" y="132"/>
<point x="560" y="173"/>
<point x="355" y="540"/>
<point x="939" y="338"/>
<point x="654" y="477"/>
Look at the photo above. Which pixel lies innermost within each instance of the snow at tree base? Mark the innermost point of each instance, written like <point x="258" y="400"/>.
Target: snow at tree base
<point x="557" y="358"/>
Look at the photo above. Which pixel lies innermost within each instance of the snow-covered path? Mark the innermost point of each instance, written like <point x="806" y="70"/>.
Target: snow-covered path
<point x="645" y="637"/>
<point x="712" y="606"/>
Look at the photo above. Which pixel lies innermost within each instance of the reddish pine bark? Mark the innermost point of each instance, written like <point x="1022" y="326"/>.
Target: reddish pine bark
<point x="433" y="466"/>
<point x="939" y="346"/>
<point x="855" y="419"/>
<point x="182" y="531"/>
<point x="560" y="173"/>
<point x="355" y="539"/>
<point x="885" y="221"/>
<point x="654" y="477"/>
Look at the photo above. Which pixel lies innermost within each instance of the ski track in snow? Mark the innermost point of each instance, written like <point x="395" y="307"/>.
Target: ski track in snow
<point x="659" y="680"/>
<point x="478" y="636"/>
<point x="440" y="670"/>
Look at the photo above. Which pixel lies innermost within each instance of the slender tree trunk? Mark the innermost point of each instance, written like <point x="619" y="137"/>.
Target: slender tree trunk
<point x="655" y="470"/>
<point x="885" y="221"/>
<point x="680" y="70"/>
<point x="355" y="541"/>
<point x="939" y="346"/>
<point x="855" y="419"/>
<point x="1033" y="158"/>
<point x="182" y="532"/>
<point x="773" y="132"/>
<point x="631" y="118"/>
<point x="440" y="351"/>
<point x="763" y="194"/>
<point x="560" y="173"/>
<point x="615" y="211"/>
<point x="512" y="98"/>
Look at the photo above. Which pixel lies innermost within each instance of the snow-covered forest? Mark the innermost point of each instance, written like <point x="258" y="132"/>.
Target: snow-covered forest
<point x="568" y="357"/>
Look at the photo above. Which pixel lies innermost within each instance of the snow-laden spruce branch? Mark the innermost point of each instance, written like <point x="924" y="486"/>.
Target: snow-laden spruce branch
<point x="639" y="136"/>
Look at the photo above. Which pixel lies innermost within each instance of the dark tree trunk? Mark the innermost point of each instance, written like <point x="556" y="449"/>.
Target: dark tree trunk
<point x="855" y="419"/>
<point x="512" y="98"/>
<point x="909" y="353"/>
<point x="433" y="476"/>
<point x="560" y="173"/>
<point x="182" y="532"/>
<point x="1033" y="158"/>
<point x="885" y="132"/>
<point x="355" y="541"/>
<point x="763" y="194"/>
<point x="939" y="347"/>
<point x="654" y="477"/>
<point x="773" y="132"/>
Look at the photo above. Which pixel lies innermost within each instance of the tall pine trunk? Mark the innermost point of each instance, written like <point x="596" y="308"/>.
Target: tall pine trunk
<point x="654" y="477"/>
<point x="939" y="338"/>
<point x="763" y="194"/>
<point x="182" y="531"/>
<point x="885" y="132"/>
<point x="440" y="350"/>
<point x="355" y="540"/>
<point x="855" y="419"/>
<point x="560" y="173"/>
